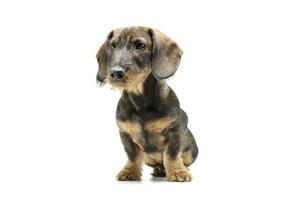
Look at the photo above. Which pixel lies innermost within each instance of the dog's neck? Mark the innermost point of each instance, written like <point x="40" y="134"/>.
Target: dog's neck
<point x="152" y="91"/>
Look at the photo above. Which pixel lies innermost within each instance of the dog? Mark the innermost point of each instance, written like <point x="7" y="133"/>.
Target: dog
<point x="152" y="126"/>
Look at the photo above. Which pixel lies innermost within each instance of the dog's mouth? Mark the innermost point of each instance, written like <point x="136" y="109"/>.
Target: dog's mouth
<point x="130" y="81"/>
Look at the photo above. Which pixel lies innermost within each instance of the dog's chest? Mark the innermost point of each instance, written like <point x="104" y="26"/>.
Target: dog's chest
<point x="149" y="135"/>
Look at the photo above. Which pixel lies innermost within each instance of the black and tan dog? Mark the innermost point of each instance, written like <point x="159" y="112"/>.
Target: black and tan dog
<point x="152" y="126"/>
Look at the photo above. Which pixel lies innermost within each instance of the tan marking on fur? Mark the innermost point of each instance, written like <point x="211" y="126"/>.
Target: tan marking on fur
<point x="159" y="140"/>
<point x="133" y="81"/>
<point x="153" y="159"/>
<point x="159" y="125"/>
<point x="139" y="140"/>
<point x="175" y="169"/>
<point x="187" y="158"/>
<point x="129" y="127"/>
<point x="132" y="171"/>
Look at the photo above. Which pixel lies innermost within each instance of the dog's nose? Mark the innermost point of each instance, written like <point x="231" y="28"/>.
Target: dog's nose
<point x="117" y="73"/>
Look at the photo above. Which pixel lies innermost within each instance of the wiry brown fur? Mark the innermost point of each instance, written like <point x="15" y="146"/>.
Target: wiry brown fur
<point x="133" y="82"/>
<point x="129" y="127"/>
<point x="152" y="126"/>
<point x="132" y="170"/>
<point x="187" y="158"/>
<point x="153" y="159"/>
<point x="159" y="125"/>
<point x="175" y="169"/>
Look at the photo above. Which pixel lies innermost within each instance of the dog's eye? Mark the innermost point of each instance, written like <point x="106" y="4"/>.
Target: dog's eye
<point x="112" y="45"/>
<point x="139" y="45"/>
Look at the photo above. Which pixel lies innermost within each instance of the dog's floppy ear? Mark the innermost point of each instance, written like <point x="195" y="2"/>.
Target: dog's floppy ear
<point x="102" y="59"/>
<point x="166" y="55"/>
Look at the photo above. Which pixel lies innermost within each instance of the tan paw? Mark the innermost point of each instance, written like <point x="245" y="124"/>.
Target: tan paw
<point x="179" y="175"/>
<point x="128" y="175"/>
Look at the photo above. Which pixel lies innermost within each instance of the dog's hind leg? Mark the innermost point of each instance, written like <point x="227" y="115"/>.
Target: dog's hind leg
<point x="190" y="150"/>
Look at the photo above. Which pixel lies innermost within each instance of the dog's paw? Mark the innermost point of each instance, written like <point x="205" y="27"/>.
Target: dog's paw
<point x="128" y="174"/>
<point x="179" y="175"/>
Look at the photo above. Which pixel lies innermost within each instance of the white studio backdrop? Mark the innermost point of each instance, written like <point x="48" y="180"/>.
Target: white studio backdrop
<point x="58" y="137"/>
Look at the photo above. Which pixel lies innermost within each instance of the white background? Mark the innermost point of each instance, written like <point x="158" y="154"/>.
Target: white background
<point x="58" y="138"/>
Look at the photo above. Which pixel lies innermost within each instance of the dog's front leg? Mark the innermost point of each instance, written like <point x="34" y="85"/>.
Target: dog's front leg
<point x="132" y="170"/>
<point x="173" y="163"/>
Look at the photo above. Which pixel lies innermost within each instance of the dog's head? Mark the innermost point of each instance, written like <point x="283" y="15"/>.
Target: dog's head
<point x="129" y="55"/>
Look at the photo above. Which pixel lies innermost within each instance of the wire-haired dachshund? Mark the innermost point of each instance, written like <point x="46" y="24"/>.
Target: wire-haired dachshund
<point x="152" y="126"/>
